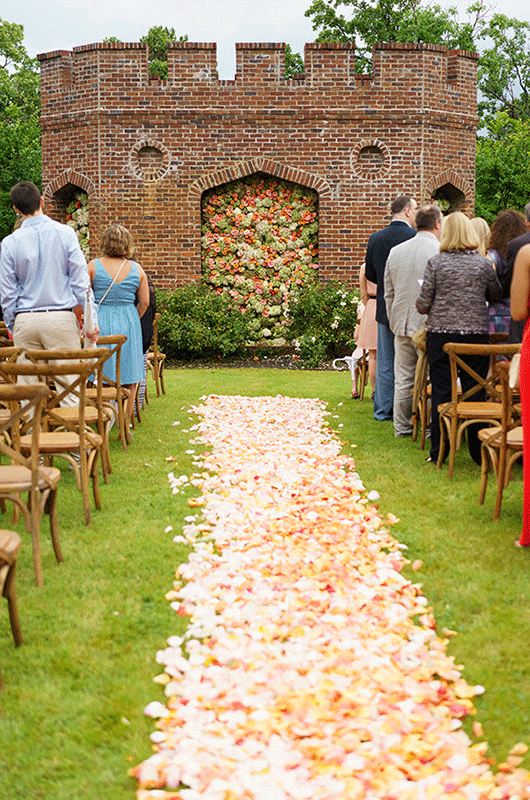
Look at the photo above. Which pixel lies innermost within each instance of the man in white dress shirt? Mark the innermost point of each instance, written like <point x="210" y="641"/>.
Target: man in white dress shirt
<point x="43" y="276"/>
<point x="404" y="272"/>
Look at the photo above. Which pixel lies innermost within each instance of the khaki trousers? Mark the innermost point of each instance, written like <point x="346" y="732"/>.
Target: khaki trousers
<point x="47" y="330"/>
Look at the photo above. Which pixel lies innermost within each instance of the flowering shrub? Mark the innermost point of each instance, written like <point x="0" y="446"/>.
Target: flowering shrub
<point x="259" y="241"/>
<point x="196" y="321"/>
<point x="323" y="317"/>
<point x="77" y="217"/>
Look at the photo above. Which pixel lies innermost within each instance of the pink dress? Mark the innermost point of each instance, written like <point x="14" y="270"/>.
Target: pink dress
<point x="367" y="338"/>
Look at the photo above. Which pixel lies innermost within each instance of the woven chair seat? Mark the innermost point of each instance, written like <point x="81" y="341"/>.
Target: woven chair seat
<point x="16" y="478"/>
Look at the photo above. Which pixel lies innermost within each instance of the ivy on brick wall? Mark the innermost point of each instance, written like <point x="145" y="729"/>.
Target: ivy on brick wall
<point x="259" y="243"/>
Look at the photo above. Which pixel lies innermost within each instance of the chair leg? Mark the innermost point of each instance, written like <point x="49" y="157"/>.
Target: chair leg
<point x="95" y="480"/>
<point x="83" y="472"/>
<point x="484" y="469"/>
<point x="33" y="520"/>
<point x="452" y="447"/>
<point x="156" y="376"/>
<point x="51" y="510"/>
<point x="161" y="373"/>
<point x="10" y="595"/>
<point x="501" y="473"/>
<point x="441" y="452"/>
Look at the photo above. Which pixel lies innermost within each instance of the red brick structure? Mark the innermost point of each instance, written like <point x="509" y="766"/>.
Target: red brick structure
<point x="145" y="150"/>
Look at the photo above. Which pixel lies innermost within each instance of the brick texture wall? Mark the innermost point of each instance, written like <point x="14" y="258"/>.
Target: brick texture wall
<point x="145" y="150"/>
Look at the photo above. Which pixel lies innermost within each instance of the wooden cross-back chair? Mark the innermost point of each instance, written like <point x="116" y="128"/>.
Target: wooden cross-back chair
<point x="460" y="411"/>
<point x="9" y="546"/>
<point x="96" y="414"/>
<point x="501" y="445"/>
<point x="25" y="474"/>
<point x="156" y="359"/>
<point x="114" y="395"/>
<point x="421" y="399"/>
<point x="62" y="437"/>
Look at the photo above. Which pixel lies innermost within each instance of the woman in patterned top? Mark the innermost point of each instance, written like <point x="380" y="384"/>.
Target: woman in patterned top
<point x="457" y="286"/>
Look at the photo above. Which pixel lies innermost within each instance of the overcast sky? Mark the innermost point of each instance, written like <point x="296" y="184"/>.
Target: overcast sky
<point x="64" y="24"/>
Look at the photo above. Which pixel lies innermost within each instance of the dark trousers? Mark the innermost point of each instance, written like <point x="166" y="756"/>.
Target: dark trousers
<point x="440" y="372"/>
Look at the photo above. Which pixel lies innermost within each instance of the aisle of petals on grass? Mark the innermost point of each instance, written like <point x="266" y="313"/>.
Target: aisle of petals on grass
<point x="311" y="667"/>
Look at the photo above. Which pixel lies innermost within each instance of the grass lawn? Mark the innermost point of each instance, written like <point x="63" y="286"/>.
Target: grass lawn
<point x="71" y="714"/>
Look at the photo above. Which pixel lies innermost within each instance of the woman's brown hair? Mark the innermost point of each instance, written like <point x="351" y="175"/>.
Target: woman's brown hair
<point x="117" y="242"/>
<point x="506" y="226"/>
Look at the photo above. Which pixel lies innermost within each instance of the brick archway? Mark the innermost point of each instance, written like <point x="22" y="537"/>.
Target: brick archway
<point x="448" y="176"/>
<point x="245" y="168"/>
<point x="68" y="176"/>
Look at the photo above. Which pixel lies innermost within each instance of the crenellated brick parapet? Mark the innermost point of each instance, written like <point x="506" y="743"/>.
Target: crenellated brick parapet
<point x="145" y="146"/>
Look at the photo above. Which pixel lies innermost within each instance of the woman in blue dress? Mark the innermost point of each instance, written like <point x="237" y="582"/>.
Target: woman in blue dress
<point x="122" y="293"/>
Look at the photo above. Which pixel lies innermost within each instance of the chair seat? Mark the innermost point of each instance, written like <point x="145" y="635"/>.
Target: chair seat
<point x="55" y="441"/>
<point x="514" y="437"/>
<point x="471" y="410"/>
<point x="16" y="478"/>
<point x="107" y="392"/>
<point x="10" y="542"/>
<point x="71" y="413"/>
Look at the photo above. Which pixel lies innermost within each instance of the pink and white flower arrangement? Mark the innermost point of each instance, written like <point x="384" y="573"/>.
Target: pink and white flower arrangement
<point x="77" y="217"/>
<point x="259" y="240"/>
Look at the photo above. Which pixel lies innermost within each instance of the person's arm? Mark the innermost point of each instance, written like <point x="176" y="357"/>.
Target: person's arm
<point x="389" y="286"/>
<point x="94" y="334"/>
<point x="142" y="293"/>
<point x="8" y="286"/>
<point x="363" y="285"/>
<point x="493" y="288"/>
<point x="370" y="272"/>
<point x="425" y="300"/>
<point x="520" y="288"/>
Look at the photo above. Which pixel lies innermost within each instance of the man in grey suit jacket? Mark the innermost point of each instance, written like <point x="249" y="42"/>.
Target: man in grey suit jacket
<point x="404" y="272"/>
<point x="403" y="210"/>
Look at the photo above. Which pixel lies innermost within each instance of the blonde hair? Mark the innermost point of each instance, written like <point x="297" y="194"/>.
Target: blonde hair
<point x="482" y="229"/>
<point x="117" y="242"/>
<point x="458" y="233"/>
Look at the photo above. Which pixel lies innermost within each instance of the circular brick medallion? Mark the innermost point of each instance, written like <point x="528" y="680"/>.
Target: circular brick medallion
<point x="149" y="161"/>
<point x="370" y="160"/>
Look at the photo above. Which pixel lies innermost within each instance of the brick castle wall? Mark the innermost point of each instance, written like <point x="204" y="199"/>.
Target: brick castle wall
<point x="145" y="150"/>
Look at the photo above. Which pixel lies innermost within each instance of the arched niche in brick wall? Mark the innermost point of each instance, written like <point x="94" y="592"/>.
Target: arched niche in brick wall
<point x="450" y="192"/>
<point x="259" y="240"/>
<point x="60" y="192"/>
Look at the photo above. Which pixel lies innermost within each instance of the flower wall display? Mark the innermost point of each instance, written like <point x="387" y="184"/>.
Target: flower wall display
<point x="259" y="241"/>
<point x="77" y="216"/>
<point x="312" y="668"/>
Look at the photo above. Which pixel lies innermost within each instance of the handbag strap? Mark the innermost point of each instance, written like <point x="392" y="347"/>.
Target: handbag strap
<point x="115" y="278"/>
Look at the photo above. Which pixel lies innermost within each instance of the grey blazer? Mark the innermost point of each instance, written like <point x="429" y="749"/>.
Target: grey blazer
<point x="404" y="269"/>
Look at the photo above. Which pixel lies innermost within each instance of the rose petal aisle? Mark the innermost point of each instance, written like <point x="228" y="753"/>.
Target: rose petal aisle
<point x="311" y="668"/>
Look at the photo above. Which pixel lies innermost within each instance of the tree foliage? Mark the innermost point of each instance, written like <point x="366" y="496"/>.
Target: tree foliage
<point x="366" y="22"/>
<point x="20" y="157"/>
<point x="504" y="68"/>
<point x="294" y="63"/>
<point x="503" y="167"/>
<point x="157" y="39"/>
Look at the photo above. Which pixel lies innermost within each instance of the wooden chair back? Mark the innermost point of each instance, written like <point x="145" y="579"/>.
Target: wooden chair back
<point x="463" y="410"/>
<point x="67" y="377"/>
<point x="25" y="473"/>
<point x="156" y="358"/>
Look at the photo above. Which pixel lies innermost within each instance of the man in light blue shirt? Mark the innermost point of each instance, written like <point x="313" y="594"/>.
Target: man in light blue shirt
<point x="43" y="276"/>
